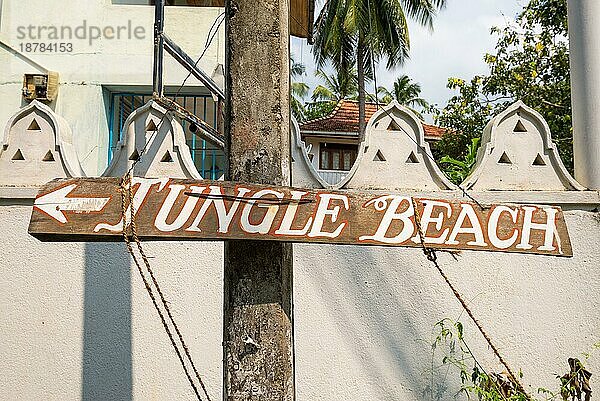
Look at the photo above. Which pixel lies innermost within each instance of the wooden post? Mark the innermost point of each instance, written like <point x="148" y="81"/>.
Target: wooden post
<point x="257" y="333"/>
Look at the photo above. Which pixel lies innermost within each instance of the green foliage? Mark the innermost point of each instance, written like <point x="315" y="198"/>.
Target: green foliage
<point x="356" y="33"/>
<point x="335" y="87"/>
<point x="488" y="386"/>
<point x="458" y="170"/>
<point x="298" y="90"/>
<point x="318" y="109"/>
<point x="406" y="93"/>
<point x="531" y="63"/>
<point x="465" y="116"/>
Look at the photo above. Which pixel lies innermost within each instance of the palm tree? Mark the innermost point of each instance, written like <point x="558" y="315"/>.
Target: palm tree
<point x="298" y="90"/>
<point x="358" y="32"/>
<point x="335" y="86"/>
<point x="404" y="92"/>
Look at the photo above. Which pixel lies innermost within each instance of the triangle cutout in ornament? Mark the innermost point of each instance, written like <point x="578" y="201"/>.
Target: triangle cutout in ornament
<point x="538" y="161"/>
<point x="134" y="156"/>
<point x="519" y="127"/>
<point x="379" y="157"/>
<point x="33" y="126"/>
<point x="393" y="126"/>
<point x="167" y="158"/>
<point x="151" y="126"/>
<point x="18" y="155"/>
<point x="412" y="158"/>
<point x="48" y="157"/>
<point x="504" y="159"/>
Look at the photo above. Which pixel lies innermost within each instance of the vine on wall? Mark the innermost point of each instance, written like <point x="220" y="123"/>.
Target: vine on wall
<point x="477" y="382"/>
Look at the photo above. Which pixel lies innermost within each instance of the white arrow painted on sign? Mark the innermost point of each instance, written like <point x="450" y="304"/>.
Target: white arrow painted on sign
<point x="55" y="202"/>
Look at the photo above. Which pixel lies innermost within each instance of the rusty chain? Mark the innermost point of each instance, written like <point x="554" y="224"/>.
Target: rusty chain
<point x="432" y="257"/>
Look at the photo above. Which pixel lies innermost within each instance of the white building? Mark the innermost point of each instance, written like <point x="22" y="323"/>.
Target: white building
<point x="102" y="51"/>
<point x="332" y="141"/>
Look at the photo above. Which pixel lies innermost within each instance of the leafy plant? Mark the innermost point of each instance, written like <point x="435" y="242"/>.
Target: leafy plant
<point x="530" y="63"/>
<point x="457" y="170"/>
<point x="318" y="109"/>
<point x="576" y="382"/>
<point x="490" y="386"/>
<point x="404" y="92"/>
<point x="335" y="87"/>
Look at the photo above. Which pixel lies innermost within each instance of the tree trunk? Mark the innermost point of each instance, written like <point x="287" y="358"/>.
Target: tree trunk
<point x="360" y="68"/>
<point x="257" y="321"/>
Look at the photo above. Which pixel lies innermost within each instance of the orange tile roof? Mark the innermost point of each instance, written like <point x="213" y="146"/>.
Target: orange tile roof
<point x="344" y="118"/>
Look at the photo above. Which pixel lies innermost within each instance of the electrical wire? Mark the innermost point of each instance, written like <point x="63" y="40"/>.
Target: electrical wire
<point x="126" y="186"/>
<point x="211" y="35"/>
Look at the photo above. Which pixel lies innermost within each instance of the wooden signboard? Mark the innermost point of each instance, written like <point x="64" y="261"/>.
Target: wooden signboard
<point x="174" y="209"/>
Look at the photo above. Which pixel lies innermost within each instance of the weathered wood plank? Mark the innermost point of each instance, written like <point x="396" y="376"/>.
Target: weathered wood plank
<point x="301" y="18"/>
<point x="175" y="209"/>
<point x="301" y="14"/>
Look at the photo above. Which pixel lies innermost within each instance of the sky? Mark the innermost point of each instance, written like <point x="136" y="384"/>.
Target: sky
<point x="460" y="38"/>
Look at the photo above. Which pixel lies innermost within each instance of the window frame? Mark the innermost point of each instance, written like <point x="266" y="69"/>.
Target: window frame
<point x="341" y="149"/>
<point x="204" y="155"/>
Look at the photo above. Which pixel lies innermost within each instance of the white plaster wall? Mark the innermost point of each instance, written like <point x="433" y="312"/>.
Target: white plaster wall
<point x="77" y="323"/>
<point x="364" y="316"/>
<point x="105" y="62"/>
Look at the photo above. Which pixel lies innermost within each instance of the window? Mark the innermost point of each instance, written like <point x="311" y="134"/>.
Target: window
<point x="209" y="160"/>
<point x="337" y="156"/>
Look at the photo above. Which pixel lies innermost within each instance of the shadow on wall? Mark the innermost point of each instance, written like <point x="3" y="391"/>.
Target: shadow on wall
<point x="381" y="313"/>
<point x="107" y="364"/>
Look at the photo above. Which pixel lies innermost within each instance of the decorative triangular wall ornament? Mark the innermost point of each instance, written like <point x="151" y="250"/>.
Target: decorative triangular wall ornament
<point x="33" y="126"/>
<point x="514" y="162"/>
<point x="134" y="156"/>
<point x="18" y="155"/>
<point x="379" y="157"/>
<point x="412" y="158"/>
<point x="165" y="154"/>
<point x="406" y="136"/>
<point x="519" y="127"/>
<point x="504" y="159"/>
<point x="151" y="126"/>
<point x="167" y="157"/>
<point x="48" y="157"/>
<point x="28" y="135"/>
<point x="538" y="161"/>
<point x="304" y="172"/>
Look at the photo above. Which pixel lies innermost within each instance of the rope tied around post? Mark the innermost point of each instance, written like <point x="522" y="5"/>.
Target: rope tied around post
<point x="432" y="257"/>
<point x="127" y="201"/>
